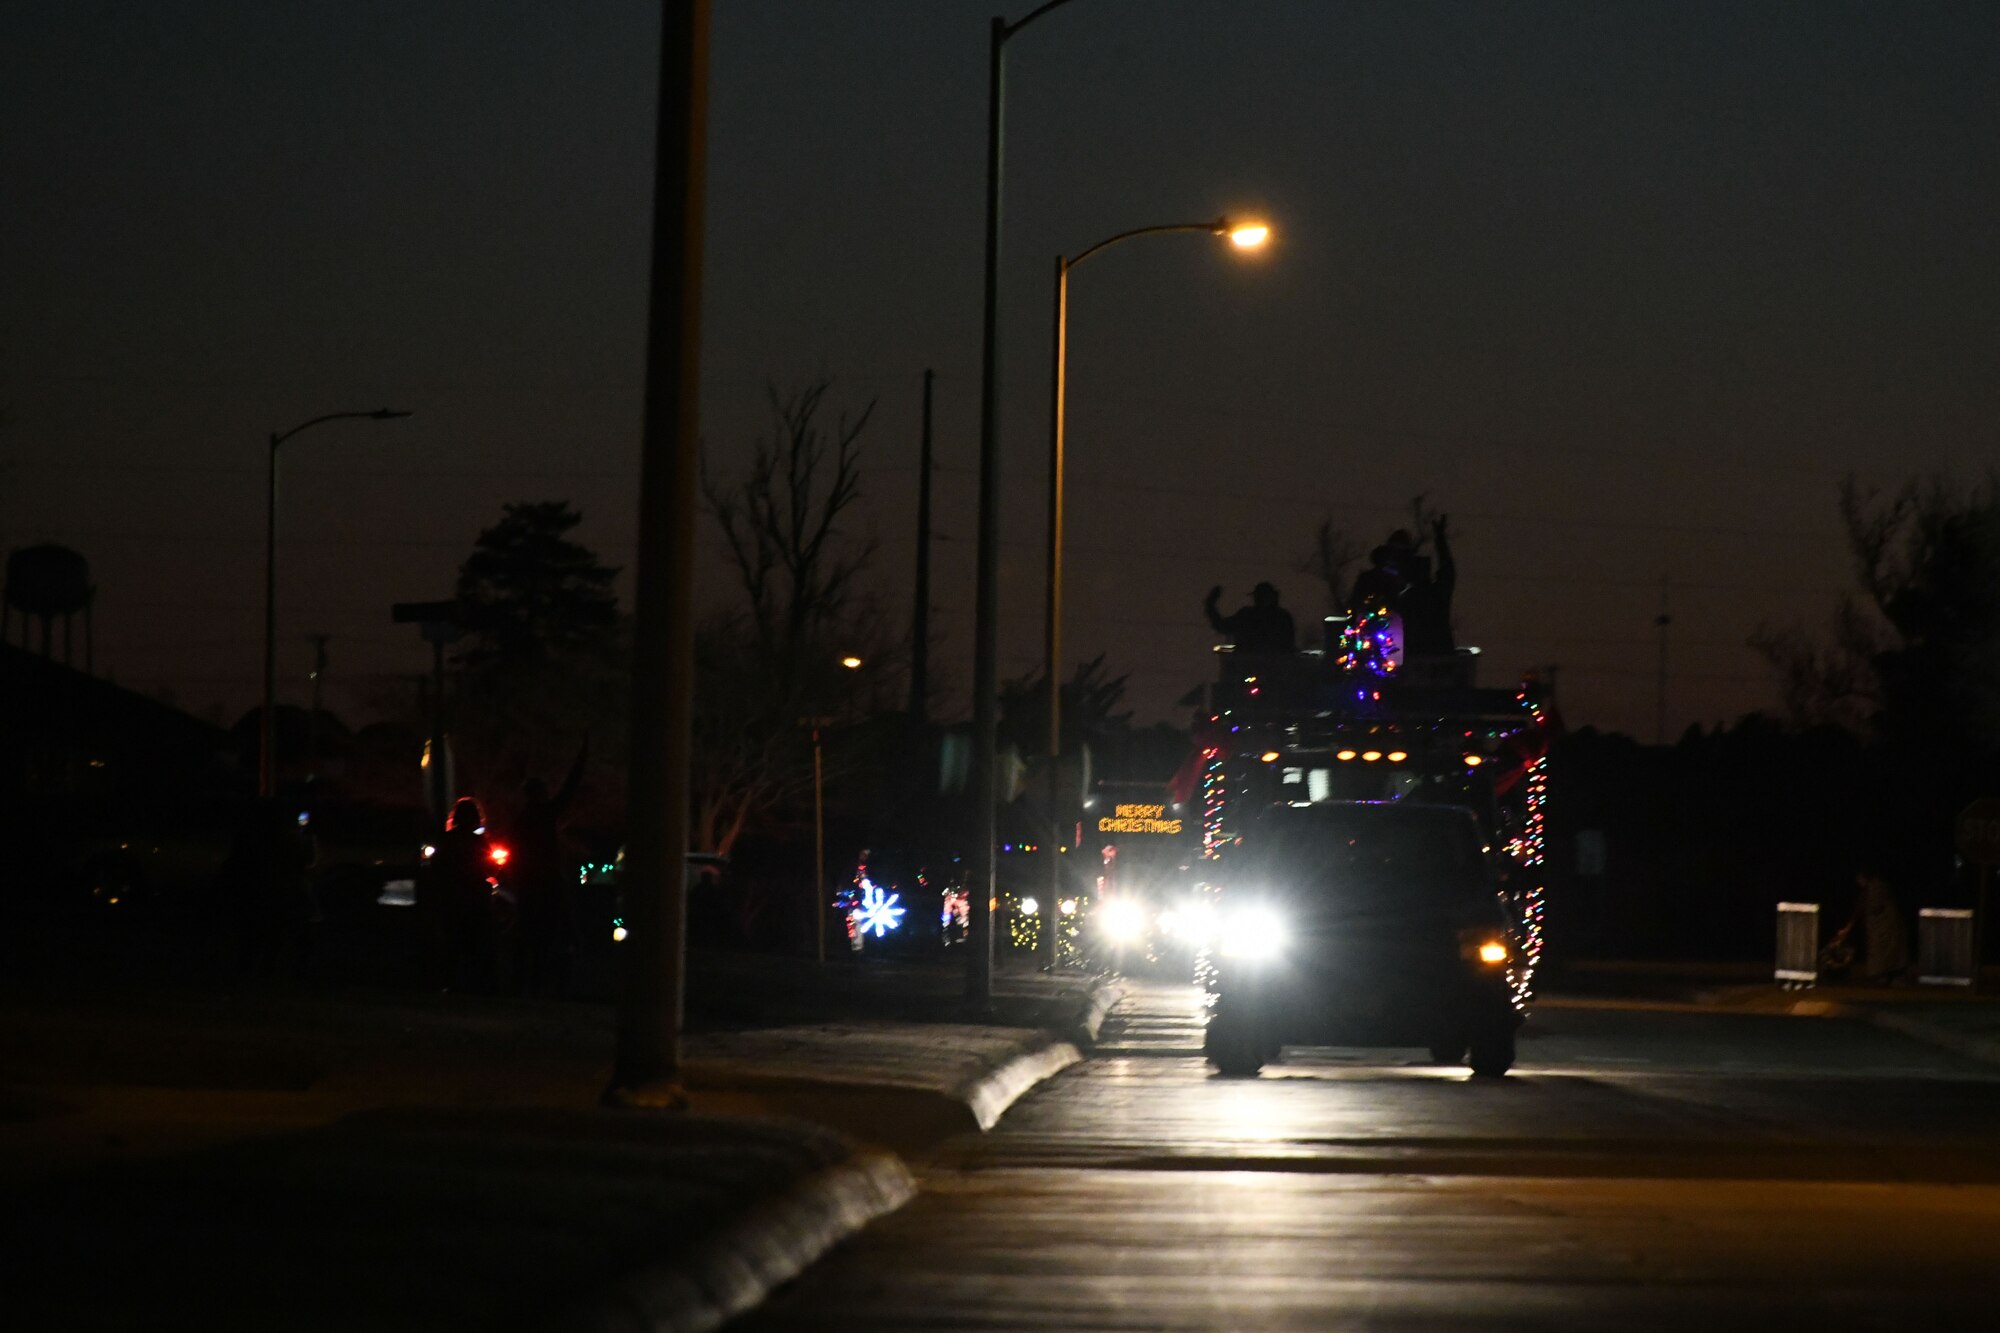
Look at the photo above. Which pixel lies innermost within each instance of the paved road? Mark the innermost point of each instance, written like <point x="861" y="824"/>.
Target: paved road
<point x="1641" y="1169"/>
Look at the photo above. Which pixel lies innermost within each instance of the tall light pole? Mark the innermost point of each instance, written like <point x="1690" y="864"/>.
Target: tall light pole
<point x="986" y="580"/>
<point x="267" y="765"/>
<point x="1244" y="235"/>
<point x="646" y="1067"/>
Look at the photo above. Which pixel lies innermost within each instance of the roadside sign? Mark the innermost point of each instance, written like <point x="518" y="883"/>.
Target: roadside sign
<point x="1977" y="835"/>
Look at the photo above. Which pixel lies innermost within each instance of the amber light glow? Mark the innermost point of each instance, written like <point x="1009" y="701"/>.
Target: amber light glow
<point x="1249" y="235"/>
<point x="1493" y="952"/>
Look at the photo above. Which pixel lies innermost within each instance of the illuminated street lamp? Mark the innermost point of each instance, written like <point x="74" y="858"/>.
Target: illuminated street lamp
<point x="852" y="663"/>
<point x="267" y="763"/>
<point x="1243" y="234"/>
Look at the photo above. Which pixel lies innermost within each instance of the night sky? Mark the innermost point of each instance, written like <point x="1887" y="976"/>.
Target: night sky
<point x="1625" y="288"/>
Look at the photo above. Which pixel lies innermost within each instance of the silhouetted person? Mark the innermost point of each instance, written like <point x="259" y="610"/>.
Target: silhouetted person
<point x="1400" y="581"/>
<point x="1261" y="627"/>
<point x="458" y="898"/>
<point x="1385" y="585"/>
<point x="1883" y="953"/>
<point x="1427" y="606"/>
<point x="265" y="893"/>
<point x="544" y="882"/>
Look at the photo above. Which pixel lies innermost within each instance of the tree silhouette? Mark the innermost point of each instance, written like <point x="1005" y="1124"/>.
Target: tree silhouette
<point x="771" y="662"/>
<point x="528" y="592"/>
<point x="543" y="660"/>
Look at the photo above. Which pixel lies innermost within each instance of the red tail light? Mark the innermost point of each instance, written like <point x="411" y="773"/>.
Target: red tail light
<point x="497" y="854"/>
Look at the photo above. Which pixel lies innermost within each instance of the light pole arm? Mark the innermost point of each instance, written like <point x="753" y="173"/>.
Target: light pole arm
<point x="1219" y="227"/>
<point x="379" y="414"/>
<point x="1009" y="29"/>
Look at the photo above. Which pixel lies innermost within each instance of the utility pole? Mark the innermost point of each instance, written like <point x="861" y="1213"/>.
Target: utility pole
<point x="920" y="614"/>
<point x="319" y="642"/>
<point x="646" y="1069"/>
<point x="1661" y="621"/>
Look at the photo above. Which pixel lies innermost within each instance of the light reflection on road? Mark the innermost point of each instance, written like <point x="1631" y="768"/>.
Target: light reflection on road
<point x="1639" y="1170"/>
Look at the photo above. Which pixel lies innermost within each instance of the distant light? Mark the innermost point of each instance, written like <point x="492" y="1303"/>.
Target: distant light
<point x="1029" y="907"/>
<point x="1473" y="761"/>
<point x="1270" y="756"/>
<point x="1493" y="952"/>
<point x="1370" y="756"/>
<point x="851" y="662"/>
<point x="498" y="854"/>
<point x="1249" y="235"/>
<point x="1397" y="756"/>
<point x="1067" y="907"/>
<point x="1345" y="755"/>
<point x="618" y="934"/>
<point x="429" y="851"/>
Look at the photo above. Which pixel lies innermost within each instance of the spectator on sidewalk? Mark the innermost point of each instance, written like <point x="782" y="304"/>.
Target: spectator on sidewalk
<point x="1882" y="952"/>
<point x="544" y="881"/>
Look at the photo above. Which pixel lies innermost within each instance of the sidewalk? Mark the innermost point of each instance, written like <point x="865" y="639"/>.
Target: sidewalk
<point x="1953" y="1018"/>
<point x="291" y="1159"/>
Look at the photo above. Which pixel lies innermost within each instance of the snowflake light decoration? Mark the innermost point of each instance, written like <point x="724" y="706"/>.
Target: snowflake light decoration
<point x="877" y="911"/>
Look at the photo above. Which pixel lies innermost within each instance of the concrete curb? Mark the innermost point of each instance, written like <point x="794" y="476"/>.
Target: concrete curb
<point x="1104" y="997"/>
<point x="988" y="1095"/>
<point x="735" y="1270"/>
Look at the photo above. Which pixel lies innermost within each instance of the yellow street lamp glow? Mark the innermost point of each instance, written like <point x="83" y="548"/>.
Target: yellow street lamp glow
<point x="1271" y="756"/>
<point x="1345" y="755"/>
<point x="851" y="662"/>
<point x="1492" y="953"/>
<point x="1397" y="756"/>
<point x="1248" y="235"/>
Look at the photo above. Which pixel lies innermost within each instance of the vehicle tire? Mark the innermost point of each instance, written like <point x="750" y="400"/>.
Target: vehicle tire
<point x="1492" y="1055"/>
<point x="1450" y="1052"/>
<point x="1231" y="1045"/>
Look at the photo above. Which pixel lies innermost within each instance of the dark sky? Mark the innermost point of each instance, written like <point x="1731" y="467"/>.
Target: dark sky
<point x="1625" y="288"/>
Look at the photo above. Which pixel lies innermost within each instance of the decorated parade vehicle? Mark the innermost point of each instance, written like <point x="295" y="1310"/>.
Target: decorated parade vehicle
<point x="1371" y="828"/>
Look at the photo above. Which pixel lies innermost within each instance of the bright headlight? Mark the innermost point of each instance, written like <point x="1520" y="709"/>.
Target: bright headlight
<point x="1252" y="932"/>
<point x="1122" y="920"/>
<point x="1193" y="923"/>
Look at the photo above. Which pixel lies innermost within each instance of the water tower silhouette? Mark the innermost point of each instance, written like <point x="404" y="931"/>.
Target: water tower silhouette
<point x="49" y="582"/>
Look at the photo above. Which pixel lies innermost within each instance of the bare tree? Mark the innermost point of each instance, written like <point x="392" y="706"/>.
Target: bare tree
<point x="1333" y="553"/>
<point x="1916" y="650"/>
<point x="770" y="664"/>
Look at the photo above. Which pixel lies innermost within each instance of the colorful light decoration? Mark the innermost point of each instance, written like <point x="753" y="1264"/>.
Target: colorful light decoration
<point x="877" y="911"/>
<point x="1372" y="642"/>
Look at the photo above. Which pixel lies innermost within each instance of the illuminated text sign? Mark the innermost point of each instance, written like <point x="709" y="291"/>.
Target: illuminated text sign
<point x="1138" y="819"/>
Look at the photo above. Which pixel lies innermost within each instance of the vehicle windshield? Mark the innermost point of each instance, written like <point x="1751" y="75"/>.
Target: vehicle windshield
<point x="1368" y="858"/>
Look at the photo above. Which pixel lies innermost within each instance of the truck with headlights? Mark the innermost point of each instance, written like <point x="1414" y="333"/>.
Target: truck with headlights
<point x="1366" y="923"/>
<point x="1309" y="772"/>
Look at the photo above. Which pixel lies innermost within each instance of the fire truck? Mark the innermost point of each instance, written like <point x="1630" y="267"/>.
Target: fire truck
<point x="1356" y="721"/>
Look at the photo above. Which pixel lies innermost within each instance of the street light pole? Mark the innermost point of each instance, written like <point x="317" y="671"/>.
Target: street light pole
<point x="267" y="764"/>
<point x="986" y="579"/>
<point x="646" y="1069"/>
<point x="1244" y="235"/>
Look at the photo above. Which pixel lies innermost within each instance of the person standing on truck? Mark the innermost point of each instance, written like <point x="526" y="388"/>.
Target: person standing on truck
<point x="1401" y="581"/>
<point x="1263" y="627"/>
<point x="1427" y="605"/>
